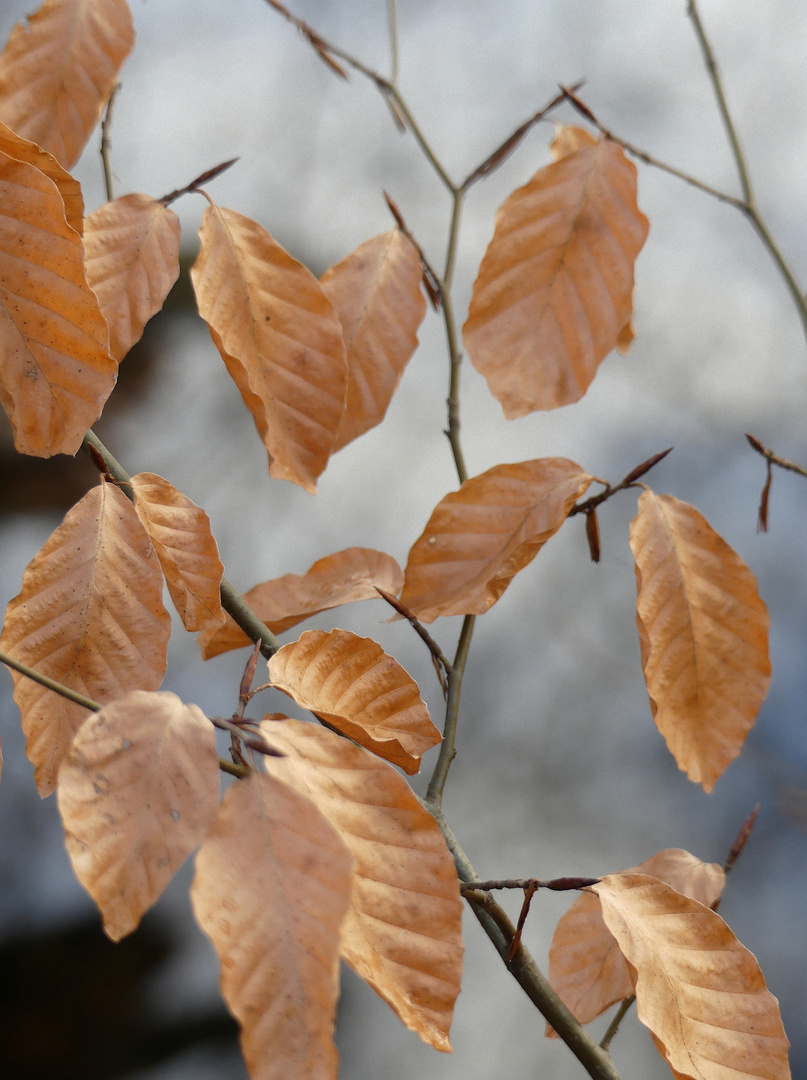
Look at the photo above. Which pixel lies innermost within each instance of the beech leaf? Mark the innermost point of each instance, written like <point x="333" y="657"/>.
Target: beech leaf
<point x="272" y="888"/>
<point x="89" y="615"/>
<point x="478" y="538"/>
<point x="137" y="791"/>
<point x="358" y="689"/>
<point x="554" y="289"/>
<point x="568" y="139"/>
<point x="703" y="631"/>
<point x="70" y="190"/>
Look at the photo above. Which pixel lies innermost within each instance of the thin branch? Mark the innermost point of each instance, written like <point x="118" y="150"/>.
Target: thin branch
<point x="448" y="750"/>
<point x="392" y="18"/>
<point x="613" y="1027"/>
<point x="106" y="124"/>
<point x="740" y="841"/>
<point x="591" y="504"/>
<point x="194" y="185"/>
<point x="775" y="458"/>
<point x="564" y="884"/>
<point x="442" y="665"/>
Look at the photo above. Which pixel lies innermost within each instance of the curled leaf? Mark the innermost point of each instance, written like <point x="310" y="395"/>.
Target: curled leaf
<point x="70" y="190"/>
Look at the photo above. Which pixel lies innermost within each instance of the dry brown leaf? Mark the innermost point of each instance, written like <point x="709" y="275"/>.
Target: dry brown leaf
<point x="342" y="578"/>
<point x="280" y="339"/>
<point x="89" y="615"/>
<point x="70" y="190"/>
<point x="403" y="934"/>
<point x="698" y="989"/>
<point x="478" y="538"/>
<point x="58" y="70"/>
<point x="626" y="338"/>
<point x="377" y="296"/>
<point x="137" y="791"/>
<point x="55" y="370"/>
<point x="569" y="138"/>
<point x="704" y="636"/>
<point x="358" y="689"/>
<point x="132" y="261"/>
<point x="272" y="888"/>
<point x="189" y="557"/>
<point x="554" y="289"/>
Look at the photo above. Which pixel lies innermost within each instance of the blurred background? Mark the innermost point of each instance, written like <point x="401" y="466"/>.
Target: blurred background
<point x="560" y="769"/>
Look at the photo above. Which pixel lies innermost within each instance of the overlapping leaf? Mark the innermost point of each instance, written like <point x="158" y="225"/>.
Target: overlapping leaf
<point x="698" y="989"/>
<point x="554" y="289"/>
<point x="89" y="615"/>
<point x="70" y="190"/>
<point x="132" y="261"/>
<point x="704" y="636"/>
<point x="478" y="538"/>
<point x="137" y="791"/>
<point x="361" y="691"/>
<point x="403" y="931"/>
<point x="272" y="888"/>
<point x="376" y="294"/>
<point x="342" y="578"/>
<point x="280" y="339"/>
<point x="58" y="70"/>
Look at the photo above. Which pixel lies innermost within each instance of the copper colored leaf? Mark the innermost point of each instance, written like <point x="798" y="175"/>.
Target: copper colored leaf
<point x="137" y="791"/>
<point x="376" y="294"/>
<point x="180" y="532"/>
<point x="89" y="615"/>
<point x="403" y="931"/>
<point x="554" y="289"/>
<point x="704" y="636"/>
<point x="478" y="538"/>
<point x="358" y="689"/>
<point x="58" y="70"/>
<point x="280" y="339"/>
<point x="272" y="888"/>
<point x="698" y="989"/>
<point x="342" y="578"/>
<point x="55" y="370"/>
<point x="70" y="190"/>
<point x="568" y="139"/>
<point x="132" y="261"/>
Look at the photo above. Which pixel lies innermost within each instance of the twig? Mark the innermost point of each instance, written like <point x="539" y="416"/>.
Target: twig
<point x="434" y="795"/>
<point x="771" y="459"/>
<point x="563" y="884"/>
<point x="626" y="1003"/>
<point x="740" y="842"/>
<point x="442" y="665"/>
<point x="194" y="185"/>
<point x="529" y="892"/>
<point x="393" y="41"/>
<point x="106" y="124"/>
<point x="629" y="481"/>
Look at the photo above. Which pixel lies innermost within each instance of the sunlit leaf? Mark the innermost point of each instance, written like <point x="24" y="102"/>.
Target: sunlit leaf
<point x="58" y="70"/>
<point x="704" y="636"/>
<point x="376" y="294"/>
<point x="137" y="791"/>
<point x="361" y="691"/>
<point x="70" y="190"/>
<point x="272" y="888"/>
<point x="89" y="615"/>
<point x="554" y="289"/>
<point x="342" y="578"/>
<point x="132" y="261"/>
<point x="403" y="932"/>
<point x="478" y="538"/>
<point x="280" y="339"/>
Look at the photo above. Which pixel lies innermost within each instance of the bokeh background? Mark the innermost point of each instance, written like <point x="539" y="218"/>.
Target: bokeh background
<point x="560" y="769"/>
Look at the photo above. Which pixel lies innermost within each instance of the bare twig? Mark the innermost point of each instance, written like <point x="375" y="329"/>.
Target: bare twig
<point x="740" y="842"/>
<point x="772" y="459"/>
<point x="563" y="884"/>
<point x="629" y="481"/>
<point x="194" y="185"/>
<point x="613" y="1027"/>
<point x="106" y="125"/>
<point x="529" y="892"/>
<point x="442" y="665"/>
<point x="448" y="749"/>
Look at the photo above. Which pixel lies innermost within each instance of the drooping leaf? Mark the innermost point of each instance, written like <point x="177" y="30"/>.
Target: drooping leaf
<point x="189" y="557"/>
<point x="137" y="791"/>
<point x="272" y="888"/>
<point x="70" y="190"/>
<point x="478" y="538"/>
<point x="704" y="636"/>
<point x="55" y="370"/>
<point x="358" y="689"/>
<point x="58" y="70"/>
<point x="342" y="578"/>
<point x="554" y="288"/>
<point x="698" y="989"/>
<point x="132" y="261"/>
<point x="280" y="339"/>
<point x="403" y="931"/>
<point x="377" y="296"/>
<point x="89" y="615"/>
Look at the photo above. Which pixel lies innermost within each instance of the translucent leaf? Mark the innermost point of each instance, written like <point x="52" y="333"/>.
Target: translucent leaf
<point x="89" y="615"/>
<point x="137" y="791"/>
<point x="70" y="190"/>
<point x="377" y="296"/>
<point x="272" y="888"/>
<point x="403" y="931"/>
<point x="55" y="371"/>
<point x="359" y="690"/>
<point x="704" y="636"/>
<point x="698" y="989"/>
<point x="189" y="557"/>
<point x="132" y="262"/>
<point x="58" y="70"/>
<point x="478" y="538"/>
<point x="342" y="578"/>
<point x="554" y="289"/>
<point x="280" y="339"/>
